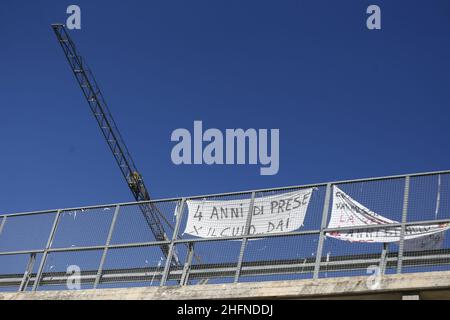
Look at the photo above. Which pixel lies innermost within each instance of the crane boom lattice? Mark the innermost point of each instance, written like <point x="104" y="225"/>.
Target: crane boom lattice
<point x="100" y="110"/>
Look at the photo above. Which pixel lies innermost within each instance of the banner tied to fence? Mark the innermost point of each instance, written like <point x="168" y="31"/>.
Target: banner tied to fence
<point x="272" y="214"/>
<point x="347" y="212"/>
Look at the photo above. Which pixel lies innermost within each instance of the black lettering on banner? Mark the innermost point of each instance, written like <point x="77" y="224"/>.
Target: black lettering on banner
<point x="298" y="202"/>
<point x="237" y="231"/>
<point x="222" y="233"/>
<point x="281" y="206"/>
<point x="211" y="232"/>
<point x="237" y="212"/>
<point x="288" y="204"/>
<point x="198" y="214"/>
<point x="223" y="212"/>
<point x="214" y="213"/>
<point x="306" y="198"/>
<point x="273" y="205"/>
<point x="278" y="226"/>
<point x="197" y="230"/>
<point x="257" y="210"/>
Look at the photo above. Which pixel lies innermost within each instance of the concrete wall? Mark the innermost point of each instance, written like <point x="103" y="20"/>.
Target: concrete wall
<point x="427" y="285"/>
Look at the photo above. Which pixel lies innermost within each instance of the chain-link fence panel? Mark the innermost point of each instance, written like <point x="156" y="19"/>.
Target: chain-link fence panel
<point x="73" y="270"/>
<point x="279" y="258"/>
<point x="428" y="199"/>
<point x="18" y="271"/>
<point x="133" y="227"/>
<point x="130" y="267"/>
<point x="26" y="232"/>
<point x="83" y="227"/>
<point x="214" y="261"/>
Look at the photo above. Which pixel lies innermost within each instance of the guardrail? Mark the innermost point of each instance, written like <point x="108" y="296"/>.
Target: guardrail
<point x="112" y="246"/>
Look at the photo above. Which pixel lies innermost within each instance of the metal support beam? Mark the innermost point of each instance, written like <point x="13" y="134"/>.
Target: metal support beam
<point x="27" y="274"/>
<point x="187" y="266"/>
<point x="383" y="259"/>
<point x="179" y="214"/>
<point x="45" y="254"/>
<point x="105" y="251"/>
<point x="2" y="225"/>
<point x="244" y="239"/>
<point x="403" y="228"/>
<point x="323" y="226"/>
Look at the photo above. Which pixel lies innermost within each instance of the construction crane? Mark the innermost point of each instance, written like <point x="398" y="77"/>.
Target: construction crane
<point x="99" y="108"/>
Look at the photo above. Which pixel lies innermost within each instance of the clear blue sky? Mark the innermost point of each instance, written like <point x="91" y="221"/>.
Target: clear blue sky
<point x="349" y="102"/>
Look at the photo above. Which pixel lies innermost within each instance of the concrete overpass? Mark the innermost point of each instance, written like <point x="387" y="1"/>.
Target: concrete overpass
<point x="424" y="285"/>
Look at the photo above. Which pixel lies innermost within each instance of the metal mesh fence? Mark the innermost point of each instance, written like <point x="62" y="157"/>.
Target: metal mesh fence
<point x="82" y="228"/>
<point x="392" y="224"/>
<point x="27" y="232"/>
<point x="136" y="266"/>
<point x="131" y="218"/>
<point x="214" y="261"/>
<point x="65" y="270"/>
<point x="428" y="201"/>
<point x="13" y="266"/>
<point x="429" y="198"/>
<point x="294" y="257"/>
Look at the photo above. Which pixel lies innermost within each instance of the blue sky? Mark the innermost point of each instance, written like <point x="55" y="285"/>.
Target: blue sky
<point x="349" y="102"/>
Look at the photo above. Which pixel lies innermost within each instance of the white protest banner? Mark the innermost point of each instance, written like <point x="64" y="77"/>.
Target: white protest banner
<point x="272" y="214"/>
<point x="347" y="212"/>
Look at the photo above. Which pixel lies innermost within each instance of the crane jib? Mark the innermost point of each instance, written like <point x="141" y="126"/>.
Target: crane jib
<point x="100" y="110"/>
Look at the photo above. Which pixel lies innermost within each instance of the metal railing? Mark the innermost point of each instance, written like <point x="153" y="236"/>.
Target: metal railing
<point x="112" y="246"/>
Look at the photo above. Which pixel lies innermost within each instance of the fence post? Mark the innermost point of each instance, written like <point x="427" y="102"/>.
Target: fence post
<point x="179" y="210"/>
<point x="187" y="266"/>
<point x="2" y="225"/>
<point x="105" y="250"/>
<point x="45" y="254"/>
<point x="244" y="239"/>
<point x="383" y="259"/>
<point x="326" y="206"/>
<point x="27" y="273"/>
<point x="403" y="227"/>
